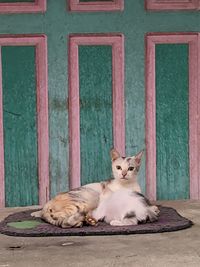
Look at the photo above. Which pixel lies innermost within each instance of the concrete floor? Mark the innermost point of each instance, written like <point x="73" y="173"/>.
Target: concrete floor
<point x="181" y="248"/>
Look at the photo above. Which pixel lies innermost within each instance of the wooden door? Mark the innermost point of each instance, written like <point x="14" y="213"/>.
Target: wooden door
<point x="62" y="109"/>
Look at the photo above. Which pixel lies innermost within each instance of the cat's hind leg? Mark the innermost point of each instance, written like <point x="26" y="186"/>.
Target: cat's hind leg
<point x="155" y="209"/>
<point x="153" y="213"/>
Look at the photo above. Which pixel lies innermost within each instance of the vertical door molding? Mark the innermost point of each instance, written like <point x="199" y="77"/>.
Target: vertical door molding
<point x="194" y="102"/>
<point x="159" y="5"/>
<point x="115" y="5"/>
<point x="25" y="7"/>
<point x="197" y="119"/>
<point x="40" y="43"/>
<point x="117" y="43"/>
<point x="2" y="183"/>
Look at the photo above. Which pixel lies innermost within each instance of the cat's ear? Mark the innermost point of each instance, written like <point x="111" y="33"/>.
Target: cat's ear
<point x="138" y="157"/>
<point x="114" y="154"/>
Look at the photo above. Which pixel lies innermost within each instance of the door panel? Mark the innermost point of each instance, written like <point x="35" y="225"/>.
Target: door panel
<point x="172" y="104"/>
<point x="172" y="122"/>
<point x="95" y="78"/>
<point x="96" y="105"/>
<point x="19" y="120"/>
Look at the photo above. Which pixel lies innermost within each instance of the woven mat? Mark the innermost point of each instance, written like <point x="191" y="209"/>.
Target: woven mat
<point x="22" y="224"/>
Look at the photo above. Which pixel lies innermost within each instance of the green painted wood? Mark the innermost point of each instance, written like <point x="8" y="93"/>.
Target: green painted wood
<point x="19" y="119"/>
<point x="172" y="121"/>
<point x="95" y="71"/>
<point x="57" y="23"/>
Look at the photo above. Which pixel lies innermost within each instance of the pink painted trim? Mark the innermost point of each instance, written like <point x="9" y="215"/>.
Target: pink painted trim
<point x="169" y="5"/>
<point x="76" y="5"/>
<point x="42" y="111"/>
<point x="150" y="126"/>
<point x="2" y="184"/>
<point x="26" y="7"/>
<point x="194" y="101"/>
<point x="198" y="110"/>
<point x="118" y="94"/>
<point x="194" y="143"/>
<point x="43" y="124"/>
<point x="117" y="43"/>
<point x="197" y="179"/>
<point x="74" y="118"/>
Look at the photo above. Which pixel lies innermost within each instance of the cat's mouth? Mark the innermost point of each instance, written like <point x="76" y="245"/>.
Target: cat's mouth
<point x="124" y="178"/>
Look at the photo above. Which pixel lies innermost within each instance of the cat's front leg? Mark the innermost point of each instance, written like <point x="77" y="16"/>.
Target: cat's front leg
<point x="132" y="221"/>
<point x="37" y="214"/>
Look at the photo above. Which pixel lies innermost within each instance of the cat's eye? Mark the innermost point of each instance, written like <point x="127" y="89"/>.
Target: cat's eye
<point x="131" y="168"/>
<point x="118" y="167"/>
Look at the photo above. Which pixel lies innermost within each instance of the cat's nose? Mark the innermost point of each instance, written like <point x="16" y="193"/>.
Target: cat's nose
<point x="124" y="173"/>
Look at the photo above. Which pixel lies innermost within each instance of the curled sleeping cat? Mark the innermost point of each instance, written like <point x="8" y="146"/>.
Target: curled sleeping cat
<point x="70" y="209"/>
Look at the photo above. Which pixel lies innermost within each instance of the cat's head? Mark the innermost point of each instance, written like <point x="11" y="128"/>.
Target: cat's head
<point x="125" y="168"/>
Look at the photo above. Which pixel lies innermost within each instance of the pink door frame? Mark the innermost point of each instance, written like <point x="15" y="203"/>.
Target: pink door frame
<point x="26" y="7"/>
<point x="158" y="5"/>
<point x="76" y="5"/>
<point x="40" y="42"/>
<point x="117" y="43"/>
<point x="193" y="40"/>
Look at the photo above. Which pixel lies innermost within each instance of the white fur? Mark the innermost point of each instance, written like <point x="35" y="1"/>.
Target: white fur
<point x="114" y="208"/>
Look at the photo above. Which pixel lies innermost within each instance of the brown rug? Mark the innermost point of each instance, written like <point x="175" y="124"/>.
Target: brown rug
<point x="22" y="224"/>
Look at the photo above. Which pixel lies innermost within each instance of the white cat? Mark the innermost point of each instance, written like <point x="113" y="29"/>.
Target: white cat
<point x="125" y="207"/>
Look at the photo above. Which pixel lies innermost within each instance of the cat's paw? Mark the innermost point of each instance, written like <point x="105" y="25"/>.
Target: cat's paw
<point x="131" y="221"/>
<point x="116" y="223"/>
<point x="155" y="209"/>
<point x="37" y="214"/>
<point x="91" y="221"/>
